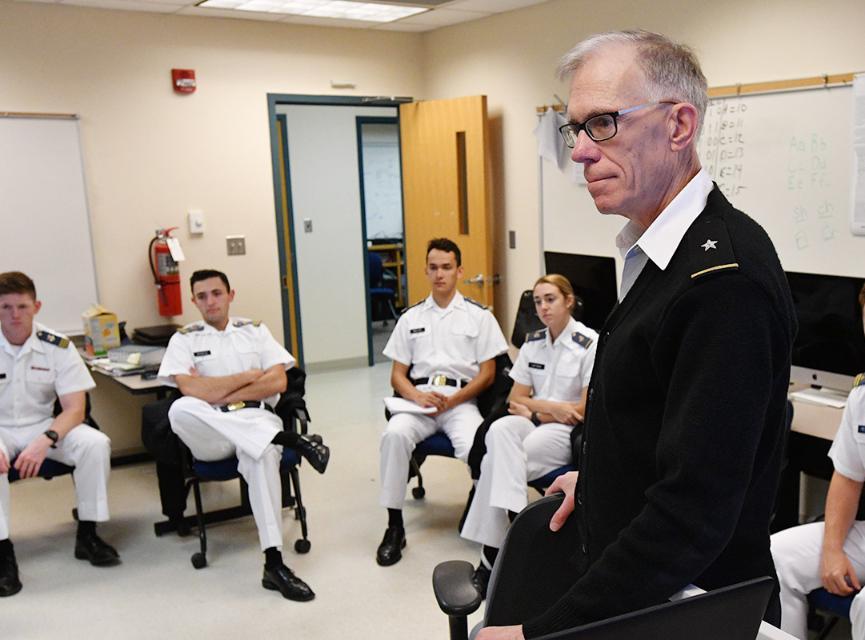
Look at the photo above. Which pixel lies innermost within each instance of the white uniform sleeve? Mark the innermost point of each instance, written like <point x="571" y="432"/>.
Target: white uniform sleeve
<point x="520" y="370"/>
<point x="845" y="451"/>
<point x="72" y="373"/>
<point x="490" y="341"/>
<point x="397" y="347"/>
<point x="177" y="359"/>
<point x="272" y="353"/>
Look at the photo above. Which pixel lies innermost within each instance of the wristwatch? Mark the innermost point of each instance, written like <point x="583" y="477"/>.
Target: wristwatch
<point x="536" y="419"/>
<point x="53" y="437"/>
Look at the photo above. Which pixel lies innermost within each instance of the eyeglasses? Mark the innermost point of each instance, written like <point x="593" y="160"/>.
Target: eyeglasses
<point x="602" y="126"/>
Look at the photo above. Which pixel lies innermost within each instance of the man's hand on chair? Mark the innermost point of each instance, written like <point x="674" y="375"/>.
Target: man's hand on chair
<point x="566" y="483"/>
<point x="501" y="633"/>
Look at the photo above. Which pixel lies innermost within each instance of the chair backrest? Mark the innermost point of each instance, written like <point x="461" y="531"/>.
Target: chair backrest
<point x="518" y="590"/>
<point x="376" y="270"/>
<point x="527" y="319"/>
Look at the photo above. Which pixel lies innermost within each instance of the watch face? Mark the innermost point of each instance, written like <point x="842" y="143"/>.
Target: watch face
<point x="52" y="435"/>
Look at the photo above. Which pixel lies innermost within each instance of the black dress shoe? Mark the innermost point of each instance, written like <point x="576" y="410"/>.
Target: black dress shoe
<point x="312" y="448"/>
<point x="9" y="582"/>
<point x="390" y="550"/>
<point x="282" y="579"/>
<point x="481" y="579"/>
<point x="94" y="549"/>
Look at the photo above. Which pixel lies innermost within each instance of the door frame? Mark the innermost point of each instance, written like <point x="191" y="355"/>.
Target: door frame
<point x="289" y="266"/>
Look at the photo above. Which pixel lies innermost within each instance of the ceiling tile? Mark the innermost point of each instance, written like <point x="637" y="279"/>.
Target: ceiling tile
<point x="493" y="6"/>
<point x="124" y="5"/>
<point x="443" y="17"/>
<point x="226" y="13"/>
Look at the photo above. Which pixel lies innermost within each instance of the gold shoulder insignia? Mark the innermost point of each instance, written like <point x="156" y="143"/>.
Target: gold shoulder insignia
<point x="190" y="328"/>
<point x="859" y="380"/>
<point x="540" y="334"/>
<point x="52" y="338"/>
<point x="709" y="247"/>
<point x="584" y="341"/>
<point x="244" y="323"/>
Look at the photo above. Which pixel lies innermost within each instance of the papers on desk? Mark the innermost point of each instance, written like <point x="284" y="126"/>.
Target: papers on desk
<point x="129" y="360"/>
<point x="826" y="397"/>
<point x="401" y="405"/>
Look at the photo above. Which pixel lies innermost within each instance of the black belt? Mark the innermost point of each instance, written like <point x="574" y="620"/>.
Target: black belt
<point x="246" y="404"/>
<point x="439" y="381"/>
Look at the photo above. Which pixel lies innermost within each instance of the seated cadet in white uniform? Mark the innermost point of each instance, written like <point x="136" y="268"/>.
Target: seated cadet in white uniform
<point x="38" y="366"/>
<point x="830" y="554"/>
<point x="551" y="376"/>
<point x="231" y="372"/>
<point x="443" y="351"/>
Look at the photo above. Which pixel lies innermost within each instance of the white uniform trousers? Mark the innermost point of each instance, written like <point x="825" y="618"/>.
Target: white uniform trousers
<point x="212" y="434"/>
<point x="797" y="552"/>
<point x="517" y="452"/>
<point x="405" y="430"/>
<point x="84" y="448"/>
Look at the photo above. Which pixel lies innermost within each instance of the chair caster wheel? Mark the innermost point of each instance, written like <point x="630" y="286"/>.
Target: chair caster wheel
<point x="418" y="493"/>
<point x="302" y="546"/>
<point x="199" y="560"/>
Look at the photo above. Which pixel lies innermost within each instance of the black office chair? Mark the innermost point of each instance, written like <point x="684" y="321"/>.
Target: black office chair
<point x="51" y="468"/>
<point x="381" y="296"/>
<point x="292" y="410"/>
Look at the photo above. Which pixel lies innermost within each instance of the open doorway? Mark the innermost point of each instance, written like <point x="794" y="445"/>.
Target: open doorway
<point x="320" y="226"/>
<point x="382" y="217"/>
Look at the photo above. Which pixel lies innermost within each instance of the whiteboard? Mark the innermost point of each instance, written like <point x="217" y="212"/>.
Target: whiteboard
<point x="785" y="159"/>
<point x="382" y="180"/>
<point x="45" y="224"/>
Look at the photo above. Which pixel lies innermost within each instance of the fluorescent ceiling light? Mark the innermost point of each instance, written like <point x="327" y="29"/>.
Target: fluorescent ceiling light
<point x="368" y="11"/>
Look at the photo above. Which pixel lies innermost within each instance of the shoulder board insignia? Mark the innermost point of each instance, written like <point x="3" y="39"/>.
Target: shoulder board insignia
<point x="190" y="328"/>
<point x="580" y="339"/>
<point x="51" y="338"/>
<point x="540" y="334"/>
<point x="416" y="304"/>
<point x="476" y="303"/>
<point x="709" y="247"/>
<point x="859" y="381"/>
<point x="243" y="323"/>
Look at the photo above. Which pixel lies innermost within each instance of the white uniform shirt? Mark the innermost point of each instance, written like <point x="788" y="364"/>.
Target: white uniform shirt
<point x="848" y="449"/>
<point x="32" y="377"/>
<point x="244" y="345"/>
<point x="451" y="341"/>
<point x="557" y="371"/>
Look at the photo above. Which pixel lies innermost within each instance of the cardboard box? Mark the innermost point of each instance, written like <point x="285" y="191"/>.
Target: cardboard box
<point x="101" y="330"/>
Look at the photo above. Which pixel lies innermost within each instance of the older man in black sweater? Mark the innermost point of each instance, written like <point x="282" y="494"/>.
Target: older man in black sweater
<point x="686" y="411"/>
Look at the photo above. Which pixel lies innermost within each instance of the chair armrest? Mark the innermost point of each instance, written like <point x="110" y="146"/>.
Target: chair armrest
<point x="302" y="418"/>
<point x="454" y="591"/>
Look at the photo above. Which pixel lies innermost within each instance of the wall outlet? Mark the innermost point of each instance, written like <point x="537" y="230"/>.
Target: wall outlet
<point x="236" y="245"/>
<point x="307" y="225"/>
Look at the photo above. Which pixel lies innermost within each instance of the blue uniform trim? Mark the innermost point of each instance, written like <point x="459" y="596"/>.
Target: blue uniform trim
<point x="52" y="338"/>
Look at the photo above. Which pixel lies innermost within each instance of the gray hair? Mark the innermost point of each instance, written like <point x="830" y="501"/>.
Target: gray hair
<point x="672" y="70"/>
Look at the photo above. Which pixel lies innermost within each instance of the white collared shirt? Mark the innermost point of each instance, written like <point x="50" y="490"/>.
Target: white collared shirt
<point x="557" y="370"/>
<point x="658" y="243"/>
<point x="34" y="375"/>
<point x="242" y="346"/>
<point x="452" y="341"/>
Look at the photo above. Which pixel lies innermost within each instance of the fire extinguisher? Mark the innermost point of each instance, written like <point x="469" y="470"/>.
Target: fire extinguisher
<point x="166" y="273"/>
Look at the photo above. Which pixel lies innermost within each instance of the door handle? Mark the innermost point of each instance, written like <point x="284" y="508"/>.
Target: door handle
<point x="478" y="279"/>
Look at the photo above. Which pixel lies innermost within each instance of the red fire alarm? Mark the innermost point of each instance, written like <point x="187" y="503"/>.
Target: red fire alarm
<point x="183" y="80"/>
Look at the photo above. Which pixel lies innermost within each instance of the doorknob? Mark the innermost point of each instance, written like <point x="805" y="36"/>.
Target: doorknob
<point x="478" y="279"/>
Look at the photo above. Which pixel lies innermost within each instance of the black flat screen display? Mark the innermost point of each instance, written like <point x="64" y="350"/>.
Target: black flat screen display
<point x="593" y="279"/>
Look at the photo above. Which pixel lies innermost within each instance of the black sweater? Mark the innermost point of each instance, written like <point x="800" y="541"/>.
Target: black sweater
<point x="685" y="426"/>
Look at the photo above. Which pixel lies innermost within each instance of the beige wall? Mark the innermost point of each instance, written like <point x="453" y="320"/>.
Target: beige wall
<point x="512" y="57"/>
<point x="149" y="154"/>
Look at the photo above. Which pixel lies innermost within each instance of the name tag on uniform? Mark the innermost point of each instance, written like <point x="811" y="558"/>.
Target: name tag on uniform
<point x="536" y="365"/>
<point x="201" y="354"/>
<point x="2" y="376"/>
<point x="35" y="368"/>
<point x="862" y="428"/>
<point x="418" y="330"/>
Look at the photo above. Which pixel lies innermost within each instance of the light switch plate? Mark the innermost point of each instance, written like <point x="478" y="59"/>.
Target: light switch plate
<point x="236" y="245"/>
<point x="196" y="221"/>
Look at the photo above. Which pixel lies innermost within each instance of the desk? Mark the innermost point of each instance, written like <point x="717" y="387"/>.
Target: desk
<point x="813" y="429"/>
<point x="136" y="385"/>
<point x="392" y="257"/>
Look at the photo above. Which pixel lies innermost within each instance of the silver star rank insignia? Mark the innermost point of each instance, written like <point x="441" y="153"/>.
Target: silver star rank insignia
<point x="709" y="244"/>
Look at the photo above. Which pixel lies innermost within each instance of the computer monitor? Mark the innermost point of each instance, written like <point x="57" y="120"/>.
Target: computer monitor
<point x="593" y="279"/>
<point x="829" y="349"/>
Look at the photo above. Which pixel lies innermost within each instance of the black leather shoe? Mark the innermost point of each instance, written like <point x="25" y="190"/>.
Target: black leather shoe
<point x="390" y="550"/>
<point x="481" y="579"/>
<point x="9" y="582"/>
<point x="317" y="453"/>
<point x="282" y="579"/>
<point x="94" y="549"/>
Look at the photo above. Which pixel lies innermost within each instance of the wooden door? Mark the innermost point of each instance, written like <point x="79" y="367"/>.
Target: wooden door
<point x="446" y="190"/>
